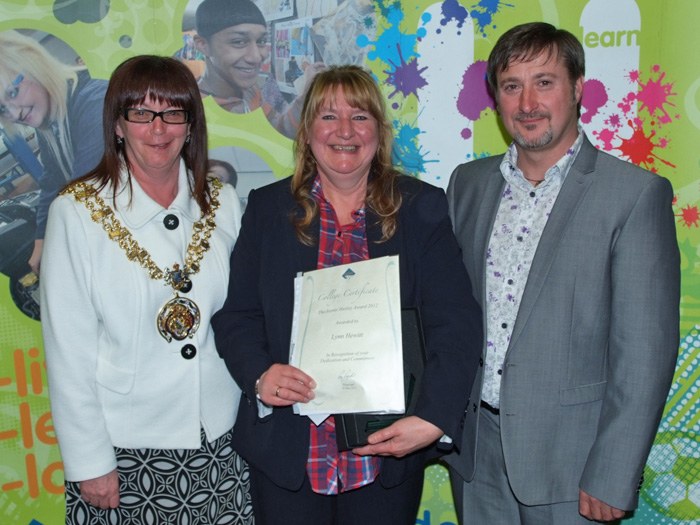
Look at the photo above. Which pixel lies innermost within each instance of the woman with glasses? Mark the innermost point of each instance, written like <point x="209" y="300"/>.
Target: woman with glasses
<point x="63" y="104"/>
<point x="135" y="256"/>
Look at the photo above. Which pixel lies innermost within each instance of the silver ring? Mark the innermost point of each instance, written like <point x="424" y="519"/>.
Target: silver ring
<point x="277" y="392"/>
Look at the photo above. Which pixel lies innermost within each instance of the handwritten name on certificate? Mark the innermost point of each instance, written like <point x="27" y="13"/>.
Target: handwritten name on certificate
<point x="347" y="336"/>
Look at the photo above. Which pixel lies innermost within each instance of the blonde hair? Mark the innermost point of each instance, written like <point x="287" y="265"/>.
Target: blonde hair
<point x="23" y="55"/>
<point x="360" y="91"/>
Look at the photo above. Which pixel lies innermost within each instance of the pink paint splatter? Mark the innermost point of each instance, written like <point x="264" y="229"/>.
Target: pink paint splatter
<point x="614" y="121"/>
<point x="654" y="96"/>
<point x="606" y="136"/>
<point x="595" y="96"/>
<point x="474" y="96"/>
<point x="645" y="110"/>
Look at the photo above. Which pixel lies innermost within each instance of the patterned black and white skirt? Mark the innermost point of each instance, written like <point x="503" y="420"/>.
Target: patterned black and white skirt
<point x="209" y="486"/>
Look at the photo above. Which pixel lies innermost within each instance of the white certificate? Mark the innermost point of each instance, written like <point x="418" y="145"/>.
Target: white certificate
<point x="347" y="335"/>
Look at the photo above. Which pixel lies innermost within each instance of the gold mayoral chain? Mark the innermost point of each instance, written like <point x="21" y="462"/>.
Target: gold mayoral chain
<point x="179" y="317"/>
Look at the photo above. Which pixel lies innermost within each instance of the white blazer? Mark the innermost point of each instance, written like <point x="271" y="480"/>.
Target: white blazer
<point x="113" y="380"/>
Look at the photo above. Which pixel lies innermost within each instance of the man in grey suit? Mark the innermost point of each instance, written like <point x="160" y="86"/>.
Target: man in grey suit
<point x="573" y="257"/>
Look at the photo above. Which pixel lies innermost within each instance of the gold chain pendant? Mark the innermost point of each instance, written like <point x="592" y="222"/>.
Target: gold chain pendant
<point x="179" y="317"/>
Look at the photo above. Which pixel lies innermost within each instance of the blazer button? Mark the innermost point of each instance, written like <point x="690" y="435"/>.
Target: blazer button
<point x="474" y="407"/>
<point x="188" y="351"/>
<point x="481" y="361"/>
<point x="171" y="221"/>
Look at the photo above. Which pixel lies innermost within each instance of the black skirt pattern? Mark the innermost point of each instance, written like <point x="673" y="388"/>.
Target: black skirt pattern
<point x="209" y="486"/>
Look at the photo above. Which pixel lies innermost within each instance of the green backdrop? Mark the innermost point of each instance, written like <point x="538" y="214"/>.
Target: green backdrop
<point x="641" y="103"/>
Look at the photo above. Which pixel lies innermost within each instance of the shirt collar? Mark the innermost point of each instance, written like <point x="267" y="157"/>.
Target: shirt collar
<point x="137" y="208"/>
<point x="557" y="173"/>
<point x="317" y="194"/>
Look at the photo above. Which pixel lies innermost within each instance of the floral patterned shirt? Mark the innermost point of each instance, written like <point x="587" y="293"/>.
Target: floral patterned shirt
<point x="521" y="218"/>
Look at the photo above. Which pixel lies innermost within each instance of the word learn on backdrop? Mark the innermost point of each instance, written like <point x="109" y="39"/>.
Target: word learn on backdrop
<point x="641" y="103"/>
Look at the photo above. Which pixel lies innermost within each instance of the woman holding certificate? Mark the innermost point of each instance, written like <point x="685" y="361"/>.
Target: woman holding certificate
<point x="344" y="203"/>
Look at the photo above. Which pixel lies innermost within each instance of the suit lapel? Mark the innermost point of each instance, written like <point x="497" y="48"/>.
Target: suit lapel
<point x="303" y="258"/>
<point x="488" y="207"/>
<point x="374" y="233"/>
<point x="570" y="196"/>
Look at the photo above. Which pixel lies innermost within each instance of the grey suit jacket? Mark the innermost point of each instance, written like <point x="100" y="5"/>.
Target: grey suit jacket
<point x="594" y="345"/>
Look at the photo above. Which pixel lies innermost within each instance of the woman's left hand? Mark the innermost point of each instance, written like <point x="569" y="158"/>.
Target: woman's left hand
<point x="283" y="385"/>
<point x="400" y="439"/>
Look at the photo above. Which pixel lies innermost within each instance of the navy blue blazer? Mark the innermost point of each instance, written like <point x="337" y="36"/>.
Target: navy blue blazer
<point x="253" y="327"/>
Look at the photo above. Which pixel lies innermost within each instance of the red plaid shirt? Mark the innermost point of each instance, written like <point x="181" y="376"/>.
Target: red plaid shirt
<point x="329" y="470"/>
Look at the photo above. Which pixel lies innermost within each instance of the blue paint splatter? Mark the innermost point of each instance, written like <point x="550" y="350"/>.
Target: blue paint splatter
<point x="391" y="45"/>
<point x="475" y="155"/>
<point x="397" y="52"/>
<point x="406" y="154"/>
<point x="451" y="10"/>
<point x="484" y="12"/>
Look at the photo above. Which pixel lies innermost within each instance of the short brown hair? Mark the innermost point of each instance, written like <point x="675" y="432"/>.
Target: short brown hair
<point x="164" y="80"/>
<point x="526" y="41"/>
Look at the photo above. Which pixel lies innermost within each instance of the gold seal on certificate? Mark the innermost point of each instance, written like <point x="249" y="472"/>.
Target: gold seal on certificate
<point x="346" y="334"/>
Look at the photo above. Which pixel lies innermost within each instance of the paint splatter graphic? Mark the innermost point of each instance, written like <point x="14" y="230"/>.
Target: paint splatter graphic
<point x="594" y="98"/>
<point x="398" y="51"/>
<point x="484" y="12"/>
<point x="689" y="216"/>
<point x="474" y="96"/>
<point x="406" y="78"/>
<point x="638" y="139"/>
<point x="655" y="95"/>
<point x="640" y="148"/>
<point x="406" y="154"/>
<point x="401" y="73"/>
<point x="451" y="10"/>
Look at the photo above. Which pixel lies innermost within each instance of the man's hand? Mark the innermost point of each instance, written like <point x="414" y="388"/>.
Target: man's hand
<point x="596" y="510"/>
<point x="102" y="492"/>
<point x="401" y="438"/>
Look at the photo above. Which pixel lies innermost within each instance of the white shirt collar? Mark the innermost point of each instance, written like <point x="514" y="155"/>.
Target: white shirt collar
<point x="136" y="208"/>
<point x="558" y="172"/>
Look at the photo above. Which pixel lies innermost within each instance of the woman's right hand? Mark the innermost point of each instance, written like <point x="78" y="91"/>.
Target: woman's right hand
<point x="283" y="385"/>
<point x="102" y="492"/>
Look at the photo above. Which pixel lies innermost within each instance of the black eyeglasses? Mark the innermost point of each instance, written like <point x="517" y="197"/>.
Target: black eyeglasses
<point x="145" y="116"/>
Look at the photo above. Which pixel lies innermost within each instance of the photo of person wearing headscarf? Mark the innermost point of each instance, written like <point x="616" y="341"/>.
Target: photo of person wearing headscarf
<point x="233" y="37"/>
